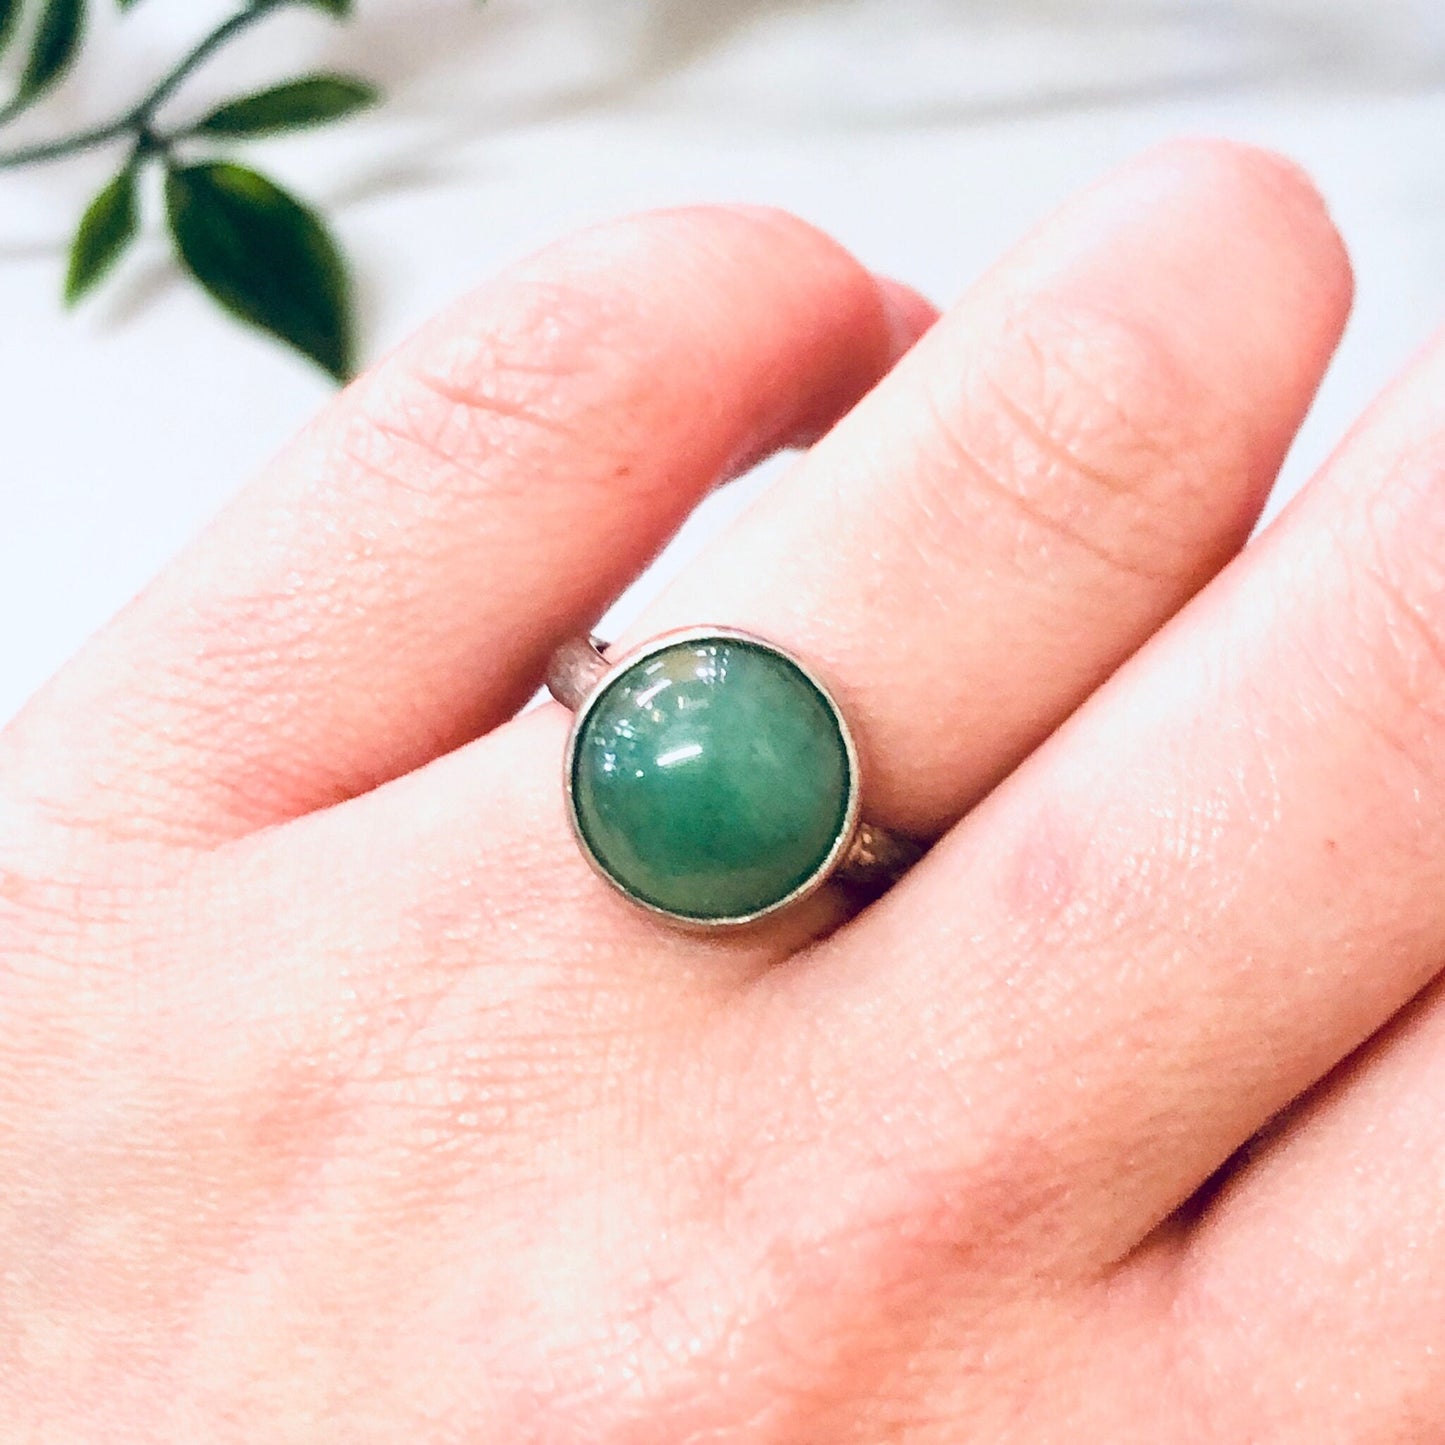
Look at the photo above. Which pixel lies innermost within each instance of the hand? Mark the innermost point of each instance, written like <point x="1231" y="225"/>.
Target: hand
<point x="341" y="1102"/>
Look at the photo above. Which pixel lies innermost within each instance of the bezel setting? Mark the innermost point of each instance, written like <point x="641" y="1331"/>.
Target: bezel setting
<point x="624" y="663"/>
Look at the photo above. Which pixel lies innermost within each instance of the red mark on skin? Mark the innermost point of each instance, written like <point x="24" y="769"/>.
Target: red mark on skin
<point x="1041" y="880"/>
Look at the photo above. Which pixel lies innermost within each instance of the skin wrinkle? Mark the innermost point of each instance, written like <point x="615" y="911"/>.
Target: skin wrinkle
<point x="378" y="447"/>
<point x="555" y="337"/>
<point x="1144" y="349"/>
<point x="1064" y="458"/>
<point x="472" y="403"/>
<point x="1019" y="504"/>
<point x="1103" y="350"/>
<point x="1202" y="1325"/>
<point x="1058" y="452"/>
<point x="901" y="802"/>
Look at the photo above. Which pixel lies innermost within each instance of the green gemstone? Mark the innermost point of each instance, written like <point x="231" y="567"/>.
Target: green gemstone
<point x="711" y="778"/>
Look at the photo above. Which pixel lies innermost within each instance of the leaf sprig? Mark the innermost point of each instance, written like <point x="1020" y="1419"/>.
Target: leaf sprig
<point x="266" y="257"/>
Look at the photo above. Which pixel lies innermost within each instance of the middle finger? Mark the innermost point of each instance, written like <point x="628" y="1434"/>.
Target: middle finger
<point x="1054" y="469"/>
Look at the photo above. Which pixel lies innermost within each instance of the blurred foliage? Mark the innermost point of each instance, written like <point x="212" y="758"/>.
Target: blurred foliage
<point x="267" y="258"/>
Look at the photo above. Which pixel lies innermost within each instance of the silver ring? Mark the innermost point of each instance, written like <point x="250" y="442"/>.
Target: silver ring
<point x="712" y="779"/>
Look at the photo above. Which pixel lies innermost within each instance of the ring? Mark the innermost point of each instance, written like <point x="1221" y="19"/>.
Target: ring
<point x="711" y="777"/>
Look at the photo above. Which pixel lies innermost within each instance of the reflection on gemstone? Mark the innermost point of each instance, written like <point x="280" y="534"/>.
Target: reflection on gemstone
<point x="645" y="698"/>
<point x="680" y="754"/>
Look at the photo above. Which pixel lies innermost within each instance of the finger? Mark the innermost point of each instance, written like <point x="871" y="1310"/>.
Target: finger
<point x="1213" y="884"/>
<point x="1057" y="466"/>
<point x="1316" y="1275"/>
<point x="395" y="582"/>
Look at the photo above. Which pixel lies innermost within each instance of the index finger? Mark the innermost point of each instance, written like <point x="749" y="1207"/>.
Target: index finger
<point x="393" y="584"/>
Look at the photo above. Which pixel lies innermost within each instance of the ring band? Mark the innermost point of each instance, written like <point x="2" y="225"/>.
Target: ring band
<point x="711" y="778"/>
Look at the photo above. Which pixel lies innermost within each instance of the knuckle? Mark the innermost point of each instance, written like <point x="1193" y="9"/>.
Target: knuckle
<point x="584" y="354"/>
<point x="546" y="371"/>
<point x="1088" y="426"/>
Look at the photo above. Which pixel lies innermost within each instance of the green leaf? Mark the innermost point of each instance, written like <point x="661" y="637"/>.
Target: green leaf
<point x="57" y="42"/>
<point x="107" y="228"/>
<point x="9" y="19"/>
<point x="340" y="8"/>
<point x="312" y="100"/>
<point x="265" y="257"/>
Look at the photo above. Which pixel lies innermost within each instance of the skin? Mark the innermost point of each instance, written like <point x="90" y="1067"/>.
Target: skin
<point x="339" y="1101"/>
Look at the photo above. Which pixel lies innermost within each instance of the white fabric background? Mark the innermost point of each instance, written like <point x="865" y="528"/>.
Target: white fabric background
<point x="924" y="133"/>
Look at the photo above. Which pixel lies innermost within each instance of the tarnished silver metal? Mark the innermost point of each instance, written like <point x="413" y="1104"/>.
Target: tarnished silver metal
<point x="877" y="859"/>
<point x="863" y="855"/>
<point x="576" y="669"/>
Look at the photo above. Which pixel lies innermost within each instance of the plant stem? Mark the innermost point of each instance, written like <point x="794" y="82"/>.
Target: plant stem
<point x="71" y="145"/>
<point x="197" y="57"/>
<point x="136" y="121"/>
